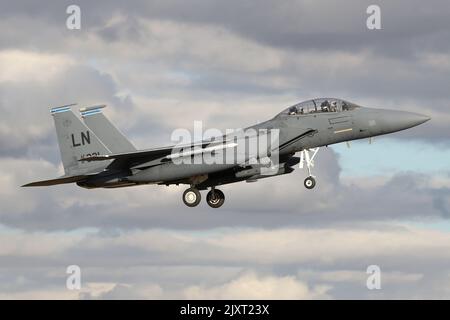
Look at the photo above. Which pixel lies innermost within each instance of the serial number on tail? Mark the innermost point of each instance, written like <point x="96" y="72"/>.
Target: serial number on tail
<point x="88" y="155"/>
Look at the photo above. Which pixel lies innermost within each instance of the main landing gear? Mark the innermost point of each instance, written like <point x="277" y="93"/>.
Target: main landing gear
<point x="305" y="156"/>
<point x="215" y="198"/>
<point x="192" y="197"/>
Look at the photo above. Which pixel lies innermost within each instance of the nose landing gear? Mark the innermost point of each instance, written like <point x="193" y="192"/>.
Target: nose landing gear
<point x="309" y="182"/>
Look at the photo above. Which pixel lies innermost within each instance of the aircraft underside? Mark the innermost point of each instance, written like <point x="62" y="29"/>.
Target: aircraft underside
<point x="216" y="177"/>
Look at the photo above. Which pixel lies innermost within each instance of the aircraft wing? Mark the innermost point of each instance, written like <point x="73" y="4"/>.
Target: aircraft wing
<point x="147" y="154"/>
<point x="156" y="153"/>
<point x="53" y="182"/>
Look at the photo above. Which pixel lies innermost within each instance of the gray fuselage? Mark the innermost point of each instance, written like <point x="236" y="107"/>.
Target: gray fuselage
<point x="322" y="128"/>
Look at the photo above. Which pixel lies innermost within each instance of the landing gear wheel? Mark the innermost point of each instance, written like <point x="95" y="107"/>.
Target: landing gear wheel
<point x="191" y="197"/>
<point x="215" y="198"/>
<point x="310" y="183"/>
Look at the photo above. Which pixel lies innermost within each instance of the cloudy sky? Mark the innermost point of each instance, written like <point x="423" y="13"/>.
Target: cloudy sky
<point x="161" y="65"/>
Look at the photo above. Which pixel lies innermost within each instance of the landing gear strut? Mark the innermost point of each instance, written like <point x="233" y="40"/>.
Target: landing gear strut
<point x="215" y="198"/>
<point x="191" y="197"/>
<point x="310" y="182"/>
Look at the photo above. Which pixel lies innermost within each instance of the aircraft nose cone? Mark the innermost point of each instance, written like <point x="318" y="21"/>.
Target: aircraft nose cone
<point x="411" y="119"/>
<point x="400" y="120"/>
<point x="421" y="118"/>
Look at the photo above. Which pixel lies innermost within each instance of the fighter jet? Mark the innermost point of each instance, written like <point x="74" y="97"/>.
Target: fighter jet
<point x="95" y="154"/>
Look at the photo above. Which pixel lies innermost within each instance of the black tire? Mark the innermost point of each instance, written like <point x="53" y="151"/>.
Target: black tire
<point x="310" y="183"/>
<point x="215" y="199"/>
<point x="192" y="197"/>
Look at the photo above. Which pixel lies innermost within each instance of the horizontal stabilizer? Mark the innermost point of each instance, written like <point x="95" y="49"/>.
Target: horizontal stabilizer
<point x="53" y="182"/>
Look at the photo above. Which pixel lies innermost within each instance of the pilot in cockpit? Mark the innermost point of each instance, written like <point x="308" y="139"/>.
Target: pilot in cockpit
<point x="325" y="106"/>
<point x="333" y="107"/>
<point x="344" y="106"/>
<point x="292" y="111"/>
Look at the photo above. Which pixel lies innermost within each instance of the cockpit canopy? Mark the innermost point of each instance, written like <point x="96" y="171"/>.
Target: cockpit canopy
<point x="319" y="106"/>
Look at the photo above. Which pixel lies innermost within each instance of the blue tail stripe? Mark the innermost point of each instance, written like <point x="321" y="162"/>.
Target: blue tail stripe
<point x="91" y="112"/>
<point x="60" y="110"/>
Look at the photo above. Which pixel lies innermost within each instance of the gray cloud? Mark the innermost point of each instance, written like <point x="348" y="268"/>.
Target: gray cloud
<point x="317" y="263"/>
<point x="417" y="76"/>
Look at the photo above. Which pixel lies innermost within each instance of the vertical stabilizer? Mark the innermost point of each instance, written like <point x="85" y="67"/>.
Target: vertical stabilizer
<point x="111" y="137"/>
<point x="77" y="141"/>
